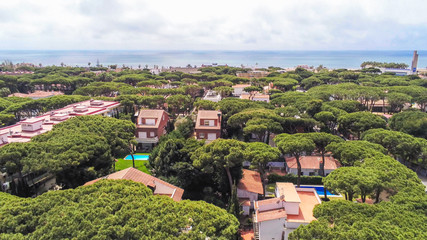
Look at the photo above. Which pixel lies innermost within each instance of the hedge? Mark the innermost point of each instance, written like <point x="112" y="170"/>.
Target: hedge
<point x="311" y="180"/>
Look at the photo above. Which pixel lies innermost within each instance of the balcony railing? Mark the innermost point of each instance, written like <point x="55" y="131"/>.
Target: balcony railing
<point x="148" y="140"/>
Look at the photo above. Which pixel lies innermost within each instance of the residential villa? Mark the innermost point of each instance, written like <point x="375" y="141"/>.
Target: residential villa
<point x="275" y="218"/>
<point x="24" y="130"/>
<point x="37" y="94"/>
<point x="150" y="126"/>
<point x="310" y="165"/>
<point x="212" y="96"/>
<point x="256" y="97"/>
<point x="249" y="189"/>
<point x="208" y="125"/>
<point x="253" y="74"/>
<point x="238" y="89"/>
<point x="159" y="187"/>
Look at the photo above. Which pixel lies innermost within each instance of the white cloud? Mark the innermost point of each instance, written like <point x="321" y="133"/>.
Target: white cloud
<point x="220" y="24"/>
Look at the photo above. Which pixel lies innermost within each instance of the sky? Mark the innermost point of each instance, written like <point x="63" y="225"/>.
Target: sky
<point x="213" y="25"/>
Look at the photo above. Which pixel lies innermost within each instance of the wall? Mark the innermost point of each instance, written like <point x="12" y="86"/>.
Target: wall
<point x="274" y="205"/>
<point x="291" y="226"/>
<point x="31" y="127"/>
<point x="245" y="194"/>
<point x="273" y="229"/>
<point x="205" y="131"/>
<point x="291" y="207"/>
<point x="306" y="172"/>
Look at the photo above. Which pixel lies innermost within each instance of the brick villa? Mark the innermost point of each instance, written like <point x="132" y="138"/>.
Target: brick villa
<point x="208" y="125"/>
<point x="150" y="126"/>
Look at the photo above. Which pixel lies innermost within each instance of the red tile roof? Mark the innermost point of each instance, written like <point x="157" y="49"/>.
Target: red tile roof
<point x="312" y="162"/>
<point x="251" y="182"/>
<point x="208" y="115"/>
<point x="141" y="177"/>
<point x="267" y="202"/>
<point x="271" y="215"/>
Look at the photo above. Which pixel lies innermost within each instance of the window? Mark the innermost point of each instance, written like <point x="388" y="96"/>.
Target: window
<point x="151" y="134"/>
<point x="201" y="135"/>
<point x="142" y="134"/>
<point x="206" y="122"/>
<point x="150" y="121"/>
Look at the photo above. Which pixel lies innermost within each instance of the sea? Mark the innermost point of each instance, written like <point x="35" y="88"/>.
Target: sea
<point x="150" y="58"/>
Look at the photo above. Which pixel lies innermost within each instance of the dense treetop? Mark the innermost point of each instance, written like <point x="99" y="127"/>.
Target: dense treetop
<point x="112" y="209"/>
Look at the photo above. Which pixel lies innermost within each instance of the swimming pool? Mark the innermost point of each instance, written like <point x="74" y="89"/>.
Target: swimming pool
<point x="320" y="191"/>
<point x="138" y="157"/>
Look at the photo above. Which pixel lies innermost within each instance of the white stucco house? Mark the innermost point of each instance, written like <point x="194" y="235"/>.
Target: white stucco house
<point x="238" y="89"/>
<point x="249" y="189"/>
<point x="310" y="165"/>
<point x="275" y="218"/>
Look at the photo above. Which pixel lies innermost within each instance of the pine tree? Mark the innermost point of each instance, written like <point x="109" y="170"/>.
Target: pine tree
<point x="233" y="204"/>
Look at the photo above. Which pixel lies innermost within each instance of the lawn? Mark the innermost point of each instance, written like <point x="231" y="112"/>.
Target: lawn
<point x="139" y="164"/>
<point x="270" y="188"/>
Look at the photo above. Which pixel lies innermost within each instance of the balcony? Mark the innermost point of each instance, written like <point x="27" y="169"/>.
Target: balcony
<point x="148" y="140"/>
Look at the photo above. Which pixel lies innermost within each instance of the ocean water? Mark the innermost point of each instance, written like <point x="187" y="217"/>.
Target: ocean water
<point x="330" y="59"/>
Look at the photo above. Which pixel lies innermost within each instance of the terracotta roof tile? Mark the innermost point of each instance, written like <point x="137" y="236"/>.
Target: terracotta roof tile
<point x="163" y="188"/>
<point x="312" y="162"/>
<point x="251" y="182"/>
<point x="271" y="215"/>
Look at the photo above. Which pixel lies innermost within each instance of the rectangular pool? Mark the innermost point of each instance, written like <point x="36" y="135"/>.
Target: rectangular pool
<point x="320" y="191"/>
<point x="137" y="157"/>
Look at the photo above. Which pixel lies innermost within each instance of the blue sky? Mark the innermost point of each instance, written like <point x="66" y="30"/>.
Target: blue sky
<point x="213" y="25"/>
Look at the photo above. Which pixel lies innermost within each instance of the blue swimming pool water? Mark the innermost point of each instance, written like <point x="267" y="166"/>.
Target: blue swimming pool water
<point x="319" y="190"/>
<point x="137" y="157"/>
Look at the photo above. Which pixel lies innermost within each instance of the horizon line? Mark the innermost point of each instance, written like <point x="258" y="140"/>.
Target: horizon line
<point x="213" y="50"/>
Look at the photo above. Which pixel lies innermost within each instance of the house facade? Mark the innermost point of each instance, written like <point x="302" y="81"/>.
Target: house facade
<point x="238" y="89"/>
<point x="150" y="126"/>
<point x="208" y="125"/>
<point x="275" y="218"/>
<point x="249" y="189"/>
<point x="310" y="165"/>
<point x="212" y="96"/>
<point x="255" y="97"/>
<point x="24" y="130"/>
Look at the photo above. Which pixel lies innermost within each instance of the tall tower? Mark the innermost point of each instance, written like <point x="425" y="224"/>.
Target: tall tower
<point x="414" y="62"/>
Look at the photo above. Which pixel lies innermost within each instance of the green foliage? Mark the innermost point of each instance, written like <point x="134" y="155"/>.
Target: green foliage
<point x="113" y="209"/>
<point x="358" y="122"/>
<point x="351" y="153"/>
<point x="221" y="156"/>
<point x="76" y="151"/>
<point x="179" y="103"/>
<point x="30" y="108"/>
<point x="384" y="64"/>
<point x="411" y="122"/>
<point x="398" y="144"/>
<point x="295" y="145"/>
<point x="205" y="105"/>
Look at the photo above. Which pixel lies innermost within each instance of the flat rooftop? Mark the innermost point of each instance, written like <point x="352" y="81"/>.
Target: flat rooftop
<point x="15" y="133"/>
<point x="308" y="201"/>
<point x="288" y="190"/>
